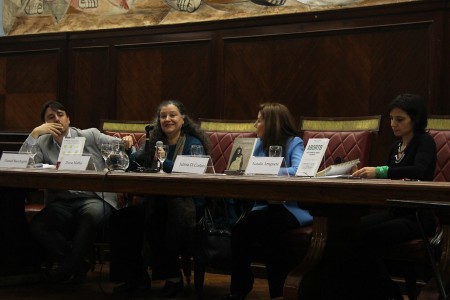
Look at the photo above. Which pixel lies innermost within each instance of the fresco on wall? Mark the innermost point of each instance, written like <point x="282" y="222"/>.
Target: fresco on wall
<point x="43" y="16"/>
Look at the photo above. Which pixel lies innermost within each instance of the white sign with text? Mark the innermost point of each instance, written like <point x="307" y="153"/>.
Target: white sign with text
<point x="74" y="162"/>
<point x="72" y="146"/>
<point x="190" y="164"/>
<point x="312" y="157"/>
<point x="14" y="160"/>
<point x="264" y="165"/>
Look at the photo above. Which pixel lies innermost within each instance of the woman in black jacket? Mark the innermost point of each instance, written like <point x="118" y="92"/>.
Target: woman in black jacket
<point x="412" y="157"/>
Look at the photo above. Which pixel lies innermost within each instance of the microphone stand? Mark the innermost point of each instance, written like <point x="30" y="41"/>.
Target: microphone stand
<point x="146" y="165"/>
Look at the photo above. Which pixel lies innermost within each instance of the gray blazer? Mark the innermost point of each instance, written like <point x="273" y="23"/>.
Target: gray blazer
<point x="48" y="153"/>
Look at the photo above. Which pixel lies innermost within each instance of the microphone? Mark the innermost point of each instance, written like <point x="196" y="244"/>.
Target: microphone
<point x="143" y="158"/>
<point x="148" y="128"/>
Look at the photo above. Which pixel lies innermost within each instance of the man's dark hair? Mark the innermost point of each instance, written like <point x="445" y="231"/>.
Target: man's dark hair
<point x="54" y="105"/>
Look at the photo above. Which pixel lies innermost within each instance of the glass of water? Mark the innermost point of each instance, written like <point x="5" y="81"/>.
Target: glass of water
<point x="275" y="151"/>
<point x="106" y="150"/>
<point x="197" y="150"/>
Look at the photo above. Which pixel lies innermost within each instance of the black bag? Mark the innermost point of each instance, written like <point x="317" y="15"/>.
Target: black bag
<point x="214" y="233"/>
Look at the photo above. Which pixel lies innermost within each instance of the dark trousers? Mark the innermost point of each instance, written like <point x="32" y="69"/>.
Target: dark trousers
<point x="67" y="229"/>
<point x="18" y="250"/>
<point x="171" y="225"/>
<point x="390" y="227"/>
<point x="259" y="232"/>
<point x="362" y="271"/>
<point x="127" y="236"/>
<point x="167" y="224"/>
<point x="380" y="230"/>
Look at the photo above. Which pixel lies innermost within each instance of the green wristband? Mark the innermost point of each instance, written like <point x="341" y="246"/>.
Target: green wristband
<point x="381" y="172"/>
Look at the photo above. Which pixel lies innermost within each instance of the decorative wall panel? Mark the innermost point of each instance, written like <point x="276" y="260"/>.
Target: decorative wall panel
<point x="27" y="80"/>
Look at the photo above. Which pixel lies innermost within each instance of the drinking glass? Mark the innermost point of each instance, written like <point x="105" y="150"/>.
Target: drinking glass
<point x="33" y="150"/>
<point x="30" y="149"/>
<point x="275" y="151"/>
<point x="161" y="154"/>
<point x="197" y="150"/>
<point x="106" y="150"/>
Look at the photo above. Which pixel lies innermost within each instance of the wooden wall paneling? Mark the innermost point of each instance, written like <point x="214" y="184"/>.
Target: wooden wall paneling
<point x="260" y="69"/>
<point x="330" y="73"/>
<point x="29" y="78"/>
<point x="89" y="86"/>
<point x="149" y="74"/>
<point x="444" y="101"/>
<point x="30" y="69"/>
<point x="2" y="90"/>
<point x="436" y="35"/>
<point x="139" y="78"/>
<point x="217" y="100"/>
<point x="187" y="77"/>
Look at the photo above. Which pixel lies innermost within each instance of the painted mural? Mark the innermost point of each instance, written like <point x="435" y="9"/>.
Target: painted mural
<point x="43" y="16"/>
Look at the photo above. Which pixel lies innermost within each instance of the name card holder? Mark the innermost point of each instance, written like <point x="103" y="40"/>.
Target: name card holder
<point x="198" y="164"/>
<point x="76" y="163"/>
<point x="261" y="165"/>
<point x="11" y="159"/>
<point x="312" y="157"/>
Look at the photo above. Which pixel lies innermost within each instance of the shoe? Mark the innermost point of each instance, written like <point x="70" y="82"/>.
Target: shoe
<point x="171" y="289"/>
<point x="78" y="276"/>
<point x="132" y="288"/>
<point x="234" y="296"/>
<point x="57" y="275"/>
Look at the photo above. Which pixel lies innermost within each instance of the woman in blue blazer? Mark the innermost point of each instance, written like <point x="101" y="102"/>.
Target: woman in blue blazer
<point x="267" y="221"/>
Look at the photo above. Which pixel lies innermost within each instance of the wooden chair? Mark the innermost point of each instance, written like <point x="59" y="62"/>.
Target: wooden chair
<point x="428" y="257"/>
<point x="350" y="137"/>
<point x="121" y="128"/>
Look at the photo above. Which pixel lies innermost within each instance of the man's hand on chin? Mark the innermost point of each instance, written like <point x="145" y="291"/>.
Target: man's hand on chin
<point x="55" y="129"/>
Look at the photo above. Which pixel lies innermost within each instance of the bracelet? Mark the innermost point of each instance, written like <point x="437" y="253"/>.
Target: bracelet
<point x="381" y="172"/>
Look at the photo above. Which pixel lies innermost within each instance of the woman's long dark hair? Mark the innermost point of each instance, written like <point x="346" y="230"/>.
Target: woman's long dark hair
<point x="189" y="127"/>
<point x="279" y="125"/>
<point x="416" y="109"/>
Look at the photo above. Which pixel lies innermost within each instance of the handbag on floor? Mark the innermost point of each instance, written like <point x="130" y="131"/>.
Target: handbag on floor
<point x="214" y="233"/>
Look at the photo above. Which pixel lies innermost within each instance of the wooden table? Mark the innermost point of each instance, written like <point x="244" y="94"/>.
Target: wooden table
<point x="336" y="204"/>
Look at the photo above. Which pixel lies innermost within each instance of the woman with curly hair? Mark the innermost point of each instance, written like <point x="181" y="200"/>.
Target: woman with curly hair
<point x="168" y="223"/>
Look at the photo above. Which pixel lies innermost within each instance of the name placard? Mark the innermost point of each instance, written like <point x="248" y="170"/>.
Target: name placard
<point x="190" y="164"/>
<point x="74" y="162"/>
<point x="264" y="165"/>
<point x="14" y="160"/>
<point x="312" y="157"/>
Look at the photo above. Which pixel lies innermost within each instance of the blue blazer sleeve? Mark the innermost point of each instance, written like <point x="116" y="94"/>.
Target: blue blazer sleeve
<point x="294" y="153"/>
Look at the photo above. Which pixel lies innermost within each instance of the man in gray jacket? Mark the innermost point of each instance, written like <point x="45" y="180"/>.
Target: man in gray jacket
<point x="70" y="221"/>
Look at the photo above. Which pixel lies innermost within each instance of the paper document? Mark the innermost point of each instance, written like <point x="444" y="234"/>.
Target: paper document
<point x="338" y="169"/>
